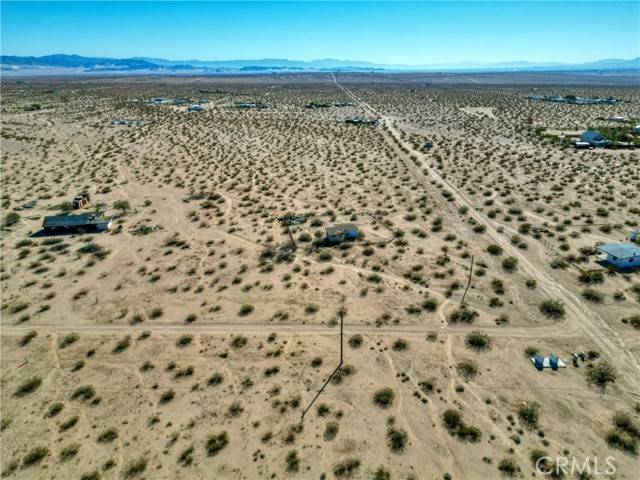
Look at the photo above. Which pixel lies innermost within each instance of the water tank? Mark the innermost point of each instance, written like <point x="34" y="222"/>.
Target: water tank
<point x="538" y="361"/>
<point x="553" y="361"/>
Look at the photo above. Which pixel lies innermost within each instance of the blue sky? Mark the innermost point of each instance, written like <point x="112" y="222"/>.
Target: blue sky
<point x="383" y="32"/>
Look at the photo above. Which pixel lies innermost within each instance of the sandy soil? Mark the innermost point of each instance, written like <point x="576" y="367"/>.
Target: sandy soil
<point x="188" y="340"/>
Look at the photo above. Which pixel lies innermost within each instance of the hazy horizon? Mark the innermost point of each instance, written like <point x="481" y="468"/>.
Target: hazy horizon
<point x="398" y="33"/>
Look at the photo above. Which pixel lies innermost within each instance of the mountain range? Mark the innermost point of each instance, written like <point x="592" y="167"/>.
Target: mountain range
<point x="76" y="64"/>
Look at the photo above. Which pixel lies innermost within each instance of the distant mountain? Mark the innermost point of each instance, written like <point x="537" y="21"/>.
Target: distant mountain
<point x="62" y="63"/>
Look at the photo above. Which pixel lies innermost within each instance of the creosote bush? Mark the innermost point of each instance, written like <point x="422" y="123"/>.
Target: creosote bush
<point x="215" y="443"/>
<point x="383" y="398"/>
<point x="552" y="309"/>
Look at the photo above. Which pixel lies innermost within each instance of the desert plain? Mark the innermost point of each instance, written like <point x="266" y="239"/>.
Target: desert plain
<point x="188" y="340"/>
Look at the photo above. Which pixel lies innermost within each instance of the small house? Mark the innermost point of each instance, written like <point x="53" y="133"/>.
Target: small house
<point x="84" y="221"/>
<point x="342" y="232"/>
<point x="195" y="108"/>
<point x="595" y="139"/>
<point x="582" y="145"/>
<point x="80" y="201"/>
<point x="621" y="255"/>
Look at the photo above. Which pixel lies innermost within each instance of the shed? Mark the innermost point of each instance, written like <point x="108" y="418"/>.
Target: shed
<point x="595" y="139"/>
<point x="80" y="201"/>
<point x="621" y="255"/>
<point x="84" y="221"/>
<point x="342" y="232"/>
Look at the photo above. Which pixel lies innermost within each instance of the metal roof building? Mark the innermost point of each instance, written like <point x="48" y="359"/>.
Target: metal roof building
<point x="87" y="221"/>
<point x="341" y="232"/>
<point x="621" y="255"/>
<point x="595" y="138"/>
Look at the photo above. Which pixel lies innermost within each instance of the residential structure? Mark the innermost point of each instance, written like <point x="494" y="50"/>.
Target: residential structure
<point x="595" y="139"/>
<point x="342" y="232"/>
<point x="621" y="255"/>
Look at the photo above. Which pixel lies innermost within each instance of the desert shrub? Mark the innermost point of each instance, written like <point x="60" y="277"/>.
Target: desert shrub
<point x="601" y="374"/>
<point x="478" y="341"/>
<point x="510" y="264"/>
<point x="552" y="309"/>
<point x="590" y="278"/>
<point x="186" y="457"/>
<point x="95" y="475"/>
<point x="316" y="362"/>
<point x="531" y="351"/>
<point x="346" y="468"/>
<point x="622" y="441"/>
<point x="245" y="310"/>
<point x="593" y="295"/>
<point x="238" y="341"/>
<point x="400" y="345"/>
<point x="633" y="320"/>
<point x="215" y="443"/>
<point x="397" y="440"/>
<point x="356" y="341"/>
<point x="293" y="461"/>
<point x="167" y="396"/>
<point x="35" y="456"/>
<point x="494" y="249"/>
<point x="427" y="386"/>
<point x="468" y="369"/>
<point x="430" y="304"/>
<point x="311" y="309"/>
<point x="235" y="409"/>
<point x="383" y="398"/>
<point x="83" y="393"/>
<point x="625" y="422"/>
<point x="184" y="340"/>
<point x="67" y="453"/>
<point x="107" y="436"/>
<point x="69" y="339"/>
<point x="28" y="387"/>
<point x="135" y="468"/>
<point x="54" y="409"/>
<point x="331" y="430"/>
<point x="508" y="467"/>
<point x="455" y="425"/>
<point x="155" y="313"/>
<point x="26" y="339"/>
<point x="463" y="314"/>
<point x="381" y="474"/>
<point x="536" y="455"/>
<point x="529" y="414"/>
<point x="215" y="379"/>
<point x="452" y="419"/>
<point x="122" y="345"/>
<point x="70" y="423"/>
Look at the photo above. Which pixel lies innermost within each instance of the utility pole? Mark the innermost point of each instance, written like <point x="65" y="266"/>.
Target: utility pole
<point x="469" y="282"/>
<point x="341" y="312"/>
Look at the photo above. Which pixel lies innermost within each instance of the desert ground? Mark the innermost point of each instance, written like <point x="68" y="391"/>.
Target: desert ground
<point x="188" y="340"/>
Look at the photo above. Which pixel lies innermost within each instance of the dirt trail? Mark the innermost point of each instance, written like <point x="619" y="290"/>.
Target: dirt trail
<point x="562" y="330"/>
<point x="581" y="316"/>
